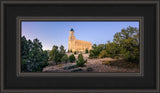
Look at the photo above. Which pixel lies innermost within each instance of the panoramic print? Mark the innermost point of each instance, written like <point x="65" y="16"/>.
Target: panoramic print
<point x="80" y="46"/>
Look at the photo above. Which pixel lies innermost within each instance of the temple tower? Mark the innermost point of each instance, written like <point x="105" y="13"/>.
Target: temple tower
<point x="71" y="40"/>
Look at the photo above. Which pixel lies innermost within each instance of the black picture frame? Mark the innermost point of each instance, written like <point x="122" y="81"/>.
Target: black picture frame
<point x="146" y="83"/>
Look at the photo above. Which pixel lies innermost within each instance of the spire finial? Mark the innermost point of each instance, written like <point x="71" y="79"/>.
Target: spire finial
<point x="71" y="29"/>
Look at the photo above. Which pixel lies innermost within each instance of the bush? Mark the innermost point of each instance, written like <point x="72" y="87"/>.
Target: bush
<point x="75" y="52"/>
<point x="72" y="58"/>
<point x="128" y="56"/>
<point x="56" y="53"/>
<point x="123" y="64"/>
<point x="86" y="51"/>
<point x="117" y="57"/>
<point x="80" y="62"/>
<point x="106" y="63"/>
<point x="103" y="54"/>
<point x="89" y="69"/>
<point x="77" y="70"/>
<point x="112" y="56"/>
<point x="92" y="54"/>
<point x="70" y="67"/>
<point x="71" y="51"/>
<point x="42" y="65"/>
<point x="64" y="58"/>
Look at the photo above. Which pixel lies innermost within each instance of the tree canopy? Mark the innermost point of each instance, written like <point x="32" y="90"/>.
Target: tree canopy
<point x="125" y="44"/>
<point x="33" y="58"/>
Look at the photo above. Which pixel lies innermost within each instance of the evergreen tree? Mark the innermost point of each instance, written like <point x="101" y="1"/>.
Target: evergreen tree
<point x="64" y="58"/>
<point x="33" y="58"/>
<point x="80" y="62"/>
<point x="86" y="51"/>
<point x="72" y="58"/>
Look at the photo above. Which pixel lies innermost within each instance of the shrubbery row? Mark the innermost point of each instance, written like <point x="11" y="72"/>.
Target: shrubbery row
<point x="58" y="55"/>
<point x="125" y="44"/>
<point x="75" y="52"/>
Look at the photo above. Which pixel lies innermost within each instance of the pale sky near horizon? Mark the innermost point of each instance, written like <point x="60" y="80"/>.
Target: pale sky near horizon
<point x="56" y="33"/>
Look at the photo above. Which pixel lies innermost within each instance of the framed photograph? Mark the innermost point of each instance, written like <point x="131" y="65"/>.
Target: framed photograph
<point x="64" y="55"/>
<point x="80" y="46"/>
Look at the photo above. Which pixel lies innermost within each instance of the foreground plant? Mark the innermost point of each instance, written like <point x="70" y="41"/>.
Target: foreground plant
<point x="80" y="62"/>
<point x="64" y="58"/>
<point x="33" y="58"/>
<point x="72" y="58"/>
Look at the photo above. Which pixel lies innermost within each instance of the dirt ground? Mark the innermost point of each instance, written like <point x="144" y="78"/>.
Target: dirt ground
<point x="95" y="64"/>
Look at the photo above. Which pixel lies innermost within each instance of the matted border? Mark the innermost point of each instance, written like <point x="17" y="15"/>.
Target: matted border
<point x="156" y="2"/>
<point x="82" y="19"/>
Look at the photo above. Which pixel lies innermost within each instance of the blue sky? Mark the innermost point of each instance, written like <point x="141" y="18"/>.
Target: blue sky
<point x="56" y="33"/>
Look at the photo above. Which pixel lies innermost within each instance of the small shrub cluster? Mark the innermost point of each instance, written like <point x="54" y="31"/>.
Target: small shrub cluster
<point x="72" y="58"/>
<point x="59" y="55"/>
<point x="94" y="53"/>
<point x="77" y="70"/>
<point x="103" y="54"/>
<point x="121" y="64"/>
<point x="106" y="62"/>
<point x="69" y="51"/>
<point x="80" y="62"/>
<point x="60" y="65"/>
<point x="64" y="59"/>
<point x="56" y="54"/>
<point x="89" y="69"/>
<point x="130" y="57"/>
<point x="70" y="67"/>
<point x="75" y="52"/>
<point x="117" y="57"/>
<point x="86" y="51"/>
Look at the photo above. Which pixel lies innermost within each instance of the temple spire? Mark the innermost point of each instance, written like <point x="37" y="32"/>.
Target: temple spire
<point x="71" y="29"/>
